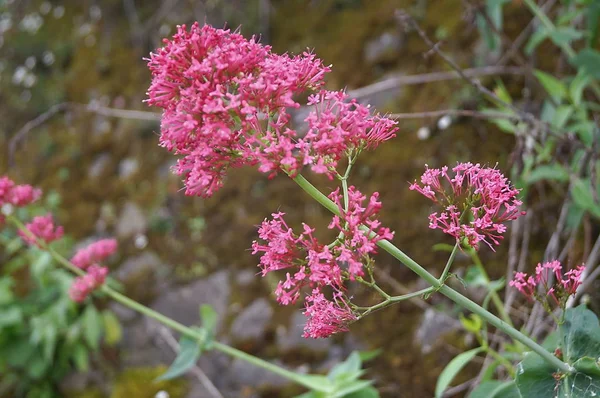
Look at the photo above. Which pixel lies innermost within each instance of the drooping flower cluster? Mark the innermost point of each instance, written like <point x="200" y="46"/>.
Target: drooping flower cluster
<point x="94" y="253"/>
<point x="549" y="281"/>
<point x="309" y="263"/>
<point x="476" y="202"/>
<point x="89" y="259"/>
<point x="41" y="228"/>
<point x="84" y="285"/>
<point x="226" y="101"/>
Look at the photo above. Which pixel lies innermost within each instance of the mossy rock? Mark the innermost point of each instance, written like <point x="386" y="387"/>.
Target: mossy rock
<point x="140" y="383"/>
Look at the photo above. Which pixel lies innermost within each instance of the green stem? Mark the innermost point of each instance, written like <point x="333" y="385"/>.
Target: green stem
<point x="493" y="293"/>
<point x="444" y="275"/>
<point x="445" y="290"/>
<point x="184" y="330"/>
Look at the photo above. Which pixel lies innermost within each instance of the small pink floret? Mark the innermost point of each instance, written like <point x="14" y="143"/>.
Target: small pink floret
<point x="42" y="228"/>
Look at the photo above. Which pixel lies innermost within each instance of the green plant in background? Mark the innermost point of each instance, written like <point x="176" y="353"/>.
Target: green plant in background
<point x="44" y="335"/>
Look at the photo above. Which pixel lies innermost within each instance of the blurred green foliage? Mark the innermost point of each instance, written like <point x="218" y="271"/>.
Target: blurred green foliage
<point x="44" y="335"/>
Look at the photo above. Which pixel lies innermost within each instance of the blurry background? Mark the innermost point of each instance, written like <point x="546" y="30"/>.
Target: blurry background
<point x="80" y="65"/>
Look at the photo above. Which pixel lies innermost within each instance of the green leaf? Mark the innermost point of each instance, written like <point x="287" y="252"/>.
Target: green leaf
<point x="112" y="328"/>
<point x="552" y="85"/>
<point x="10" y="316"/>
<point x="344" y="388"/>
<point x="453" y="368"/>
<point x="580" y="343"/>
<point x="588" y="61"/>
<point x="565" y="35"/>
<point x="496" y="389"/>
<point x="562" y="115"/>
<point x="189" y="352"/>
<point x="367" y="392"/>
<point x="41" y="265"/>
<point x="580" y="334"/>
<point x="578" y="84"/>
<point x="472" y="324"/>
<point x="347" y="369"/>
<point x="81" y="358"/>
<point x="366" y="356"/>
<point x="592" y="22"/>
<point x="92" y="326"/>
<point x="535" y="40"/>
<point x="209" y="317"/>
<point x="549" y="172"/>
<point x="583" y="196"/>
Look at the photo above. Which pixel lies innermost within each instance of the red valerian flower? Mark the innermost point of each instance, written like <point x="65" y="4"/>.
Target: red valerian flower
<point x="322" y="267"/>
<point x="17" y="195"/>
<point x="226" y="103"/>
<point x="94" y="253"/>
<point x="84" y="285"/>
<point x="476" y="202"/>
<point x="326" y="317"/>
<point x="42" y="228"/>
<point x="550" y="279"/>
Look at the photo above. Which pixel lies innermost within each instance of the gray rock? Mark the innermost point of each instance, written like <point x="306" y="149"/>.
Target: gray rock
<point x="183" y="304"/>
<point x="253" y="320"/>
<point x="243" y="374"/>
<point x="131" y="221"/>
<point x="291" y="338"/>
<point x="99" y="165"/>
<point x="434" y="325"/>
<point x="386" y="46"/>
<point x="127" y="167"/>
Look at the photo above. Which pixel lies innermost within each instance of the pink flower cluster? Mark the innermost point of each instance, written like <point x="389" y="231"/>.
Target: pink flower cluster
<point x="476" y="202"/>
<point x="310" y="263"/>
<point x="16" y="195"/>
<point x="550" y="277"/>
<point x="226" y="102"/>
<point x="94" y="253"/>
<point x="88" y="259"/>
<point x="41" y="228"/>
<point x="84" y="285"/>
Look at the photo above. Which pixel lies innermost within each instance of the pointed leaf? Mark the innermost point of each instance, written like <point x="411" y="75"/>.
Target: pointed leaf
<point x="552" y="85"/>
<point x="92" y="326"/>
<point x="189" y="352"/>
<point x="588" y="61"/>
<point x="112" y="328"/>
<point x="496" y="389"/>
<point x="453" y="368"/>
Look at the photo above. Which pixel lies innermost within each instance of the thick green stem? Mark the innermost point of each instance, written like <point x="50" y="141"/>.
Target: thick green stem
<point x="445" y="290"/>
<point x="170" y="323"/>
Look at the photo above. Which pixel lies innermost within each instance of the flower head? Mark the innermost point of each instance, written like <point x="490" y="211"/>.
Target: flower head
<point x="226" y="103"/>
<point x="476" y="202"/>
<point x="549" y="281"/>
<point x="309" y="263"/>
<point x="84" y="285"/>
<point x="17" y="195"/>
<point x="94" y="253"/>
<point x="326" y="317"/>
<point x="41" y="228"/>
